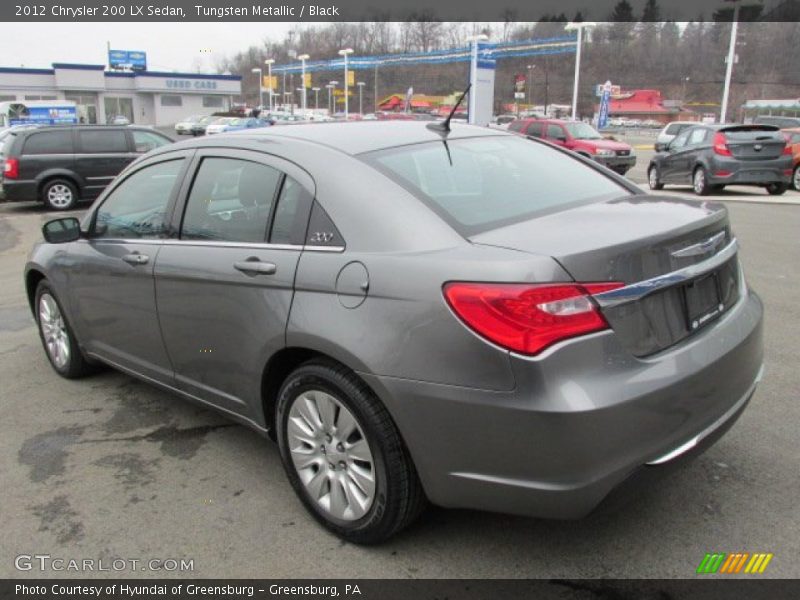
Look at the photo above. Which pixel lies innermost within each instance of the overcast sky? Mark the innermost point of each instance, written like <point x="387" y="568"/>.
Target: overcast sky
<point x="169" y="46"/>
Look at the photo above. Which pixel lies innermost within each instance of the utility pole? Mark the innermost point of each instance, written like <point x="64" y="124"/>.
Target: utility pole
<point x="729" y="67"/>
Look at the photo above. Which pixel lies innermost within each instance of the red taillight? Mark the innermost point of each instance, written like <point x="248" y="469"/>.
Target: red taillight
<point x="787" y="149"/>
<point x="11" y="168"/>
<point x="528" y="318"/>
<point x="721" y="144"/>
<point x="723" y="174"/>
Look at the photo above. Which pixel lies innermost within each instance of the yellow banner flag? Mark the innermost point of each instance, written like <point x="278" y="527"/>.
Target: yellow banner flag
<point x="351" y="78"/>
<point x="270" y="83"/>
<point x="307" y="80"/>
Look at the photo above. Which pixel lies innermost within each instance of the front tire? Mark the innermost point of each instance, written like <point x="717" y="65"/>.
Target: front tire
<point x="776" y="189"/>
<point x="344" y="456"/>
<point x="59" y="194"/>
<point x="700" y="182"/>
<point x="57" y="337"/>
<point x="652" y="179"/>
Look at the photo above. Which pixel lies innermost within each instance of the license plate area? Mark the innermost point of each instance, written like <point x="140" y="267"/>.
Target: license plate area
<point x="703" y="301"/>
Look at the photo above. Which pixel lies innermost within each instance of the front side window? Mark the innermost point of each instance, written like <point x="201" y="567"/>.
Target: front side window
<point x="478" y="184"/>
<point x="680" y="140"/>
<point x="101" y="141"/>
<point x="230" y="201"/>
<point x="583" y="131"/>
<point x="535" y="129"/>
<point x="555" y="132"/>
<point x="137" y="207"/>
<point x="144" y="141"/>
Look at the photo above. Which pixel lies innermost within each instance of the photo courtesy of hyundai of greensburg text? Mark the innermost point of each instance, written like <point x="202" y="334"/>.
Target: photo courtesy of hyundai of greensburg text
<point x="394" y="301"/>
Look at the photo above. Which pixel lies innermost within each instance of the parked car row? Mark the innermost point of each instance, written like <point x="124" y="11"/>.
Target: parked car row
<point x="210" y="124"/>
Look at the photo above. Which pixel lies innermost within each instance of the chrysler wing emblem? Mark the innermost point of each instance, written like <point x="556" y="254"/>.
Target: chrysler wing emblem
<point x="700" y="248"/>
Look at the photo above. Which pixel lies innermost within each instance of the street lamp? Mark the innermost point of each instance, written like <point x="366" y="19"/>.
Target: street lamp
<point x="579" y="27"/>
<point x="730" y="60"/>
<point x="360" y="85"/>
<point x="316" y="97"/>
<point x="345" y="53"/>
<point x="260" y="85"/>
<point x="269" y="62"/>
<point x="530" y="83"/>
<point x="303" y="58"/>
<point x="473" y="76"/>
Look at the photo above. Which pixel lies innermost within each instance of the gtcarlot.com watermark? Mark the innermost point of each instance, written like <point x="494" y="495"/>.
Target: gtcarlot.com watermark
<point x="46" y="562"/>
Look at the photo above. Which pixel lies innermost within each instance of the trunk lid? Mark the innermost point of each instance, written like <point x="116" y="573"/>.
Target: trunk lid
<point x="754" y="142"/>
<point x="631" y="239"/>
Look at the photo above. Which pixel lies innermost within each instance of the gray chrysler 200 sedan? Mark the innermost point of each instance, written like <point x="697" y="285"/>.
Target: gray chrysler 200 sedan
<point x="414" y="314"/>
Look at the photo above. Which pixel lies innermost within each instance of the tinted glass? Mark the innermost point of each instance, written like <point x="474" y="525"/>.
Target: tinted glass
<point x="697" y="136"/>
<point x="516" y="126"/>
<point x="535" y="129"/>
<point x="675" y="128"/>
<point x="489" y="182"/>
<point x="582" y="131"/>
<point x="680" y="140"/>
<point x="49" y="142"/>
<point x="555" y="132"/>
<point x="288" y="225"/>
<point x="137" y="207"/>
<point x="144" y="141"/>
<point x="111" y="140"/>
<point x="230" y="201"/>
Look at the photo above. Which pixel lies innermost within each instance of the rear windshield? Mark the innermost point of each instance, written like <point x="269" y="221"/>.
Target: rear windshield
<point x="489" y="182"/>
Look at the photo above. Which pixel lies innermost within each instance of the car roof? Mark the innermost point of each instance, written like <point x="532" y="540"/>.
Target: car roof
<point x="357" y="137"/>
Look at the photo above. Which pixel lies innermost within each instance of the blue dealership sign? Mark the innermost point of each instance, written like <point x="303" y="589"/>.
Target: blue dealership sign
<point x="51" y="114"/>
<point x="133" y="59"/>
<point x="602" y="118"/>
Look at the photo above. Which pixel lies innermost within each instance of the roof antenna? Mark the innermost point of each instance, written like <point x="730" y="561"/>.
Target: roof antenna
<point x="444" y="126"/>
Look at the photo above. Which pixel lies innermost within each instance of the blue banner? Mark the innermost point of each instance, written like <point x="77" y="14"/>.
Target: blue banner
<point x="602" y="119"/>
<point x="44" y="115"/>
<point x="133" y="59"/>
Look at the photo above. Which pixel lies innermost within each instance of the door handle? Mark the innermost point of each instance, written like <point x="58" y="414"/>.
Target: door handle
<point x="255" y="267"/>
<point x="136" y="259"/>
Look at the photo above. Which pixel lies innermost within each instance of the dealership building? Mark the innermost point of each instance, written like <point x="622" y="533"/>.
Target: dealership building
<point x="144" y="97"/>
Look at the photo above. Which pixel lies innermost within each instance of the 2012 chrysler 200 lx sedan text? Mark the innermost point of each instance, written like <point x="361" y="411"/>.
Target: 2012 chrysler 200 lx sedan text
<point x="414" y="313"/>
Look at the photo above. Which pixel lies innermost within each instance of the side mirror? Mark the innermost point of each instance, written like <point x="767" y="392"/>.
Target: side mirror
<point x="61" y="231"/>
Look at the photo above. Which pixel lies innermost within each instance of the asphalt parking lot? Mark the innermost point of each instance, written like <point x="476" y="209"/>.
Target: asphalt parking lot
<point x="109" y="467"/>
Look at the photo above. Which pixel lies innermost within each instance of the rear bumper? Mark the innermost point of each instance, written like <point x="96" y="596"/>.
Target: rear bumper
<point x="18" y="190"/>
<point x="750" y="172"/>
<point x="583" y="418"/>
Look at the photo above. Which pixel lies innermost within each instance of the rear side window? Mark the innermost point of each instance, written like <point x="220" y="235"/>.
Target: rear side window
<point x="49" y="142"/>
<point x="535" y="129"/>
<point x="488" y="182"/>
<point x="555" y="132"/>
<point x="697" y="137"/>
<point x="231" y="201"/>
<point x="100" y="141"/>
<point x="289" y="222"/>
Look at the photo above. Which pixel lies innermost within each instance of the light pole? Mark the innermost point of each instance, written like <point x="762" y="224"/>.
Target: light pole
<point x="579" y="27"/>
<point x="303" y="58"/>
<point x="360" y="85"/>
<point x="346" y="52"/>
<point x="269" y="62"/>
<point x="316" y="97"/>
<point x="260" y="85"/>
<point x="329" y="88"/>
<point x="473" y="76"/>
<point x="729" y="67"/>
<point x="333" y="85"/>
<point x="530" y="82"/>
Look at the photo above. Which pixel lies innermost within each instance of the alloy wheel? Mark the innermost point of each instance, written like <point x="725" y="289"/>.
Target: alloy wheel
<point x="796" y="178"/>
<point x="652" y="177"/>
<point x="59" y="195"/>
<point x="54" y="331"/>
<point x="331" y="455"/>
<point x="699" y="181"/>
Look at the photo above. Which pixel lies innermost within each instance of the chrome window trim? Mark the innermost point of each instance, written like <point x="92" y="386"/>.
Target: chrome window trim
<point x="637" y="291"/>
<point x="219" y="244"/>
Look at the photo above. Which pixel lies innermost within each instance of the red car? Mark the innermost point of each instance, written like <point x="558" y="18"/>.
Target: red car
<point x="581" y="138"/>
<point x="793" y="140"/>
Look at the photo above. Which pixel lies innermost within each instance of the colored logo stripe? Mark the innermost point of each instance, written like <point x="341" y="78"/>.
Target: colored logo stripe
<point x="721" y="562"/>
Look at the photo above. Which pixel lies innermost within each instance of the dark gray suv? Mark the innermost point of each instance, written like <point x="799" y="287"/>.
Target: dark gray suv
<point x="466" y="317"/>
<point x="709" y="157"/>
<point x="60" y="165"/>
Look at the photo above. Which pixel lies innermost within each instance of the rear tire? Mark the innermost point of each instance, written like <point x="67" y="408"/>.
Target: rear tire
<point x="653" y="180"/>
<point x="59" y="194"/>
<point x="700" y="182"/>
<point x="58" y="339"/>
<point x="344" y="456"/>
<point x="776" y="189"/>
<point x="796" y="178"/>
